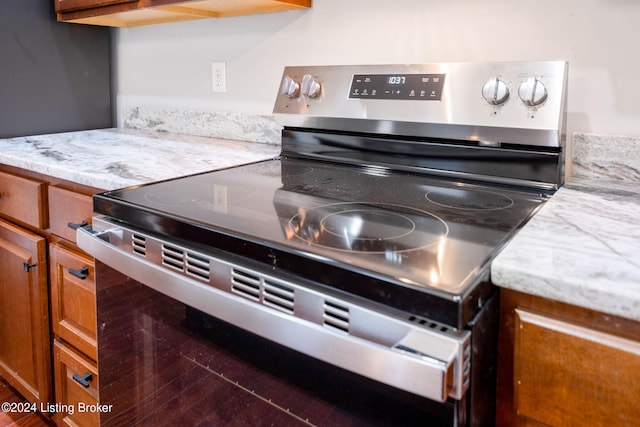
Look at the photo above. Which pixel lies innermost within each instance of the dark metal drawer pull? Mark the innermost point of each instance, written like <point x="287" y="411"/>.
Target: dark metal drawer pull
<point x="80" y="274"/>
<point x="84" y="379"/>
<point x="27" y="267"/>
<point x="75" y="226"/>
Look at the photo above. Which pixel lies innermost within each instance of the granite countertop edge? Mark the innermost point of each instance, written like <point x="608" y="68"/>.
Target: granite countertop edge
<point x="114" y="158"/>
<point x="582" y="248"/>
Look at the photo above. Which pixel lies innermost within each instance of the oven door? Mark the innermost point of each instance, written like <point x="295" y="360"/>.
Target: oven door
<point x="425" y="359"/>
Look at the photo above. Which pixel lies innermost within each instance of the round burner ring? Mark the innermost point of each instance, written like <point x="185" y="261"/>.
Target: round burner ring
<point x="335" y="223"/>
<point x="367" y="227"/>
<point x="469" y="199"/>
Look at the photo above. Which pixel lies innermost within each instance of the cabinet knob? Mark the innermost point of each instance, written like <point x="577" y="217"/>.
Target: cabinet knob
<point x="81" y="273"/>
<point x="83" y="380"/>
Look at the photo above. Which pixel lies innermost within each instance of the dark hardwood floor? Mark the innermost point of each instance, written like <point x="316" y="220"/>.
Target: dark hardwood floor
<point x="17" y="419"/>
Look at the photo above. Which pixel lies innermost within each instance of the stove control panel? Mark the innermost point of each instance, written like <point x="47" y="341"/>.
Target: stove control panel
<point x="511" y="102"/>
<point x="412" y="87"/>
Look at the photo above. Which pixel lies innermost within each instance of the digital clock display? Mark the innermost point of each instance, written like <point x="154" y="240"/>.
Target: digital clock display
<point x="397" y="80"/>
<point x="415" y="87"/>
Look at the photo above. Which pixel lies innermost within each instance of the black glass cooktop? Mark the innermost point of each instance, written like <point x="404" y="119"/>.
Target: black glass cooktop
<point x="426" y="235"/>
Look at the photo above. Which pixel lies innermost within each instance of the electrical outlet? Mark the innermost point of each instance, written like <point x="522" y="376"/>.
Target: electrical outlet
<point x="218" y="77"/>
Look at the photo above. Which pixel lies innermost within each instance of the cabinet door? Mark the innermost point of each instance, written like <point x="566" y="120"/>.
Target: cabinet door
<point x="70" y="5"/>
<point x="24" y="314"/>
<point x="568" y="375"/>
<point x="73" y="299"/>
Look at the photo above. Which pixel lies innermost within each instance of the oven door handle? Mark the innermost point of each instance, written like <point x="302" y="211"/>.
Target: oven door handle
<point x="414" y="363"/>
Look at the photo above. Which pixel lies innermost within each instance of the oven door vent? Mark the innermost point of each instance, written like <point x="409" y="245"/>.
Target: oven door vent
<point x="139" y="244"/>
<point x="336" y="316"/>
<point x="198" y="266"/>
<point x="172" y="257"/>
<point x="186" y="262"/>
<point x="245" y="284"/>
<point x="278" y="296"/>
<point x="430" y="324"/>
<point x="267" y="291"/>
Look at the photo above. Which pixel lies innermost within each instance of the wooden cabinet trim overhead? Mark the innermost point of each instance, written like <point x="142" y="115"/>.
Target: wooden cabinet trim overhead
<point x="71" y="5"/>
<point x="130" y="13"/>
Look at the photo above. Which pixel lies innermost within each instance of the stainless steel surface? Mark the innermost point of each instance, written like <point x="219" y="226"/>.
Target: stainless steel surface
<point x="463" y="113"/>
<point x="428" y="360"/>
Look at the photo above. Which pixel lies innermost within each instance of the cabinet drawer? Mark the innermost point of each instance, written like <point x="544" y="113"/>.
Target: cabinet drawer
<point x="67" y="208"/>
<point x="23" y="200"/>
<point x="568" y="375"/>
<point x="70" y="370"/>
<point x="73" y="299"/>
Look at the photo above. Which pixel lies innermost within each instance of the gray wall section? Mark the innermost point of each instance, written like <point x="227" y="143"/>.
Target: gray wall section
<point x="54" y="77"/>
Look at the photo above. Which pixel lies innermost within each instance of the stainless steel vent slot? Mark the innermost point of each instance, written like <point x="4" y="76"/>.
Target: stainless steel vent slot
<point x="430" y="324"/>
<point x="245" y="284"/>
<point x="173" y="257"/>
<point x="336" y="316"/>
<point x="198" y="267"/>
<point x="278" y="296"/>
<point x="139" y="244"/>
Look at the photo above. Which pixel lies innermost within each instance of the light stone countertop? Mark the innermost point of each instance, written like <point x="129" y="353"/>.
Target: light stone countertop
<point x="583" y="246"/>
<point x="116" y="158"/>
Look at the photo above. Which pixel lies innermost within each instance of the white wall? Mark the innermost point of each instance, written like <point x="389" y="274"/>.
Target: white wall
<point x="169" y="65"/>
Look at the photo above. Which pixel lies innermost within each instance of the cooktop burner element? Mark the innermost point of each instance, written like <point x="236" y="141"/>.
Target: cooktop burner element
<point x="462" y="198"/>
<point x="368" y="227"/>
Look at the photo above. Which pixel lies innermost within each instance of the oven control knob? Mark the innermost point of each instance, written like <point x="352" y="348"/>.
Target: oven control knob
<point x="495" y="91"/>
<point x="290" y="87"/>
<point x="532" y="92"/>
<point x="310" y="86"/>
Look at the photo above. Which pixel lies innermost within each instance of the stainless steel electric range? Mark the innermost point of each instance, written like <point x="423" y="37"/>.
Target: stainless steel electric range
<point x="367" y="243"/>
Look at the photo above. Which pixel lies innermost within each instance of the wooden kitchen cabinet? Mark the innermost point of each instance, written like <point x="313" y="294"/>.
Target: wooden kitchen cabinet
<point x="25" y="357"/>
<point x="129" y="13"/>
<point x="73" y="299"/>
<point x="562" y="365"/>
<point x="77" y="385"/>
<point x="73" y="308"/>
<point x="42" y="292"/>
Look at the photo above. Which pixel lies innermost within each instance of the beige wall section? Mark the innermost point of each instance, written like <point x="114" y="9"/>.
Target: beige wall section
<point x="169" y="65"/>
